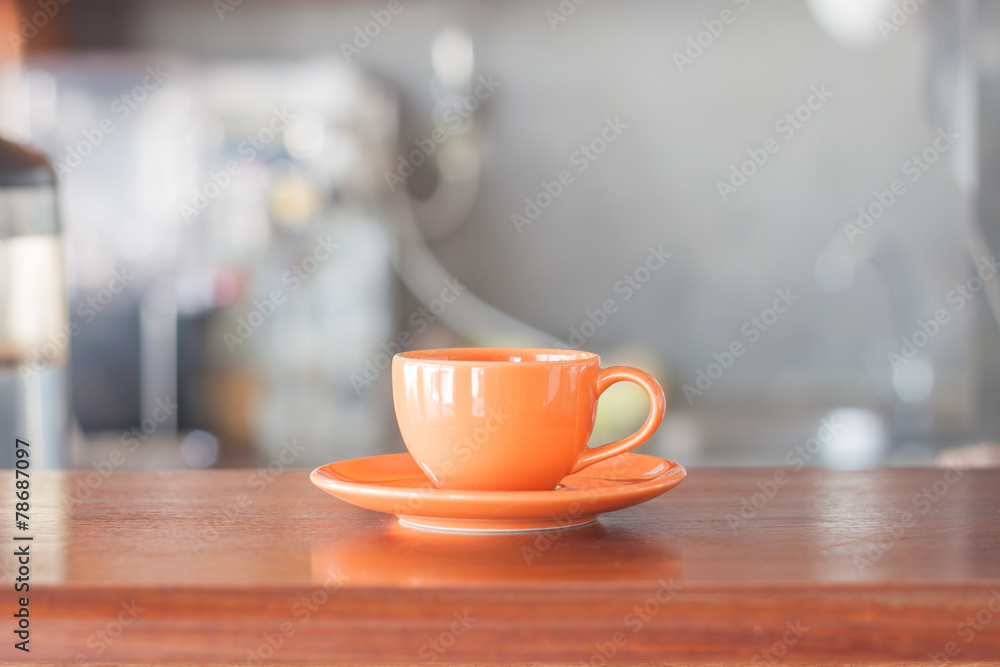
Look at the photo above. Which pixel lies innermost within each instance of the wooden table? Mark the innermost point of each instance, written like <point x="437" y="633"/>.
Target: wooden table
<point x="734" y="565"/>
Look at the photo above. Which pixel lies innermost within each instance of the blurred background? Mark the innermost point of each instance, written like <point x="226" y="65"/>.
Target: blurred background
<point x="782" y="209"/>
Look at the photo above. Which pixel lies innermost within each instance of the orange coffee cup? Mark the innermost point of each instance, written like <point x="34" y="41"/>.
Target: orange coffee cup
<point x="510" y="419"/>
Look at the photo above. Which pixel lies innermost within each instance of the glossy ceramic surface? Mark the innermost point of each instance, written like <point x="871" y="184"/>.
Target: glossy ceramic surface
<point x="394" y="484"/>
<point x="510" y="419"/>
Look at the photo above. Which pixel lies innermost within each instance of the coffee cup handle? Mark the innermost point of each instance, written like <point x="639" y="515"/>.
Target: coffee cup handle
<point x="657" y="405"/>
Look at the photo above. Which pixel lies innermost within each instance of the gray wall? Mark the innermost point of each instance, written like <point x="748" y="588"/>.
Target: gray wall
<point x="657" y="184"/>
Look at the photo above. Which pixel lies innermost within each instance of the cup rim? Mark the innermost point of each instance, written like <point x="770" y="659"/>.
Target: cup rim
<point x="447" y="355"/>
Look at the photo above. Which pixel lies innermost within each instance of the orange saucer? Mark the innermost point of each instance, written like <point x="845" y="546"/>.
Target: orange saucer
<point x="394" y="484"/>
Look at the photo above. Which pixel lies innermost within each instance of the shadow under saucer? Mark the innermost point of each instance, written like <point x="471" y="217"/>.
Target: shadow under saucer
<point x="398" y="556"/>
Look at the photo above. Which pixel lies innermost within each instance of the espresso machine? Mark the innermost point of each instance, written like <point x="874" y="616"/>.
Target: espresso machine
<point x="35" y="331"/>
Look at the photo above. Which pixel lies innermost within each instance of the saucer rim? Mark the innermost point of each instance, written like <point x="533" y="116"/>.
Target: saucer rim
<point x="490" y="531"/>
<point x="503" y="505"/>
<point x="328" y="480"/>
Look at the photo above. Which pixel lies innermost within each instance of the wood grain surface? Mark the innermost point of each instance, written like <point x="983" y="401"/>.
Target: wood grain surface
<point x="733" y="566"/>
